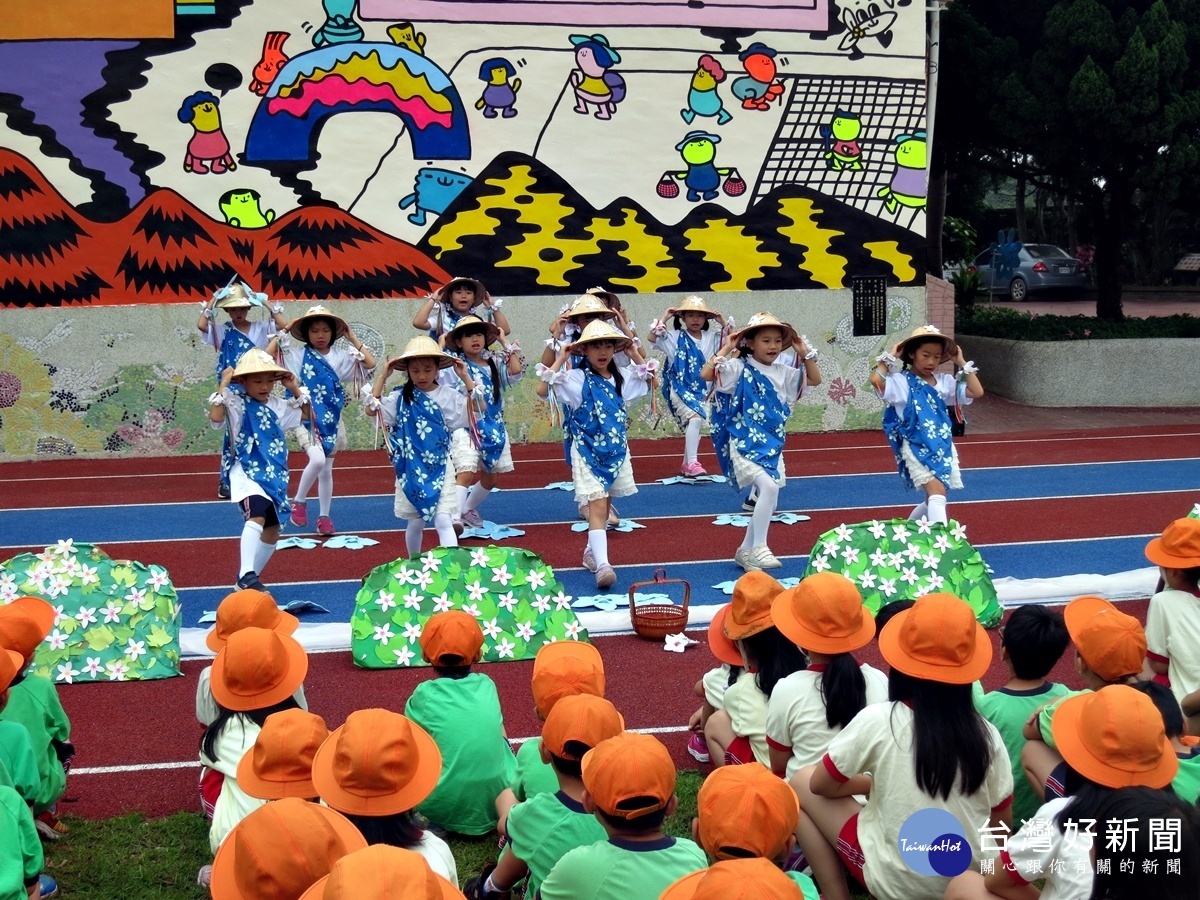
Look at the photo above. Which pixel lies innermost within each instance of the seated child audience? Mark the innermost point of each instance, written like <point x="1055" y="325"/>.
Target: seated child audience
<point x="711" y="690"/>
<point x="280" y="762"/>
<point x="629" y="785"/>
<point x="381" y="872"/>
<point x="1147" y="869"/>
<point x="374" y="770"/>
<point x="735" y="879"/>
<point x="18" y="765"/>
<point x="477" y="762"/>
<point x="1186" y="783"/>
<point x="1173" y="620"/>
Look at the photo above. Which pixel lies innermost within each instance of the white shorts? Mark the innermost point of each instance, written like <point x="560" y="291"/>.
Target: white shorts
<point x="921" y="474"/>
<point x="469" y="458"/>
<point x="745" y="471"/>
<point x="683" y="413"/>
<point x="588" y="486"/>
<point x="447" y="502"/>
<point x="304" y="438"/>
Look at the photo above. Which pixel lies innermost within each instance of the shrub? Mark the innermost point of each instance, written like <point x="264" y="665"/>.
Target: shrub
<point x="1012" y="324"/>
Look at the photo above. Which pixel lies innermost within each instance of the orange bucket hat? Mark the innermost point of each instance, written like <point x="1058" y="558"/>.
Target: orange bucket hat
<point x="627" y="766"/>
<point x="750" y="610"/>
<point x="722" y="647"/>
<point x="824" y="613"/>
<point x="583" y="718"/>
<point x="937" y="639"/>
<point x="11" y="664"/>
<point x="1115" y="737"/>
<point x="747" y="809"/>
<point x="564" y="668"/>
<point x="248" y="609"/>
<point x="280" y="850"/>
<point x="735" y="879"/>
<point x="1111" y="643"/>
<point x="451" y="633"/>
<point x="377" y="764"/>
<point x="258" y="668"/>
<point x="24" y="624"/>
<point x="382" y="872"/>
<point x="280" y="762"/>
<point x="1179" y="546"/>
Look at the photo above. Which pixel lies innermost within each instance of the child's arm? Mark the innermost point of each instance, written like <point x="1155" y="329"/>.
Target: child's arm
<point x="515" y="363"/>
<point x="974" y="388"/>
<point x="371" y="401"/>
<point x="368" y="359"/>
<point x="498" y="318"/>
<point x="272" y="347"/>
<point x="890" y="362"/>
<point x="216" y="402"/>
<point x="207" y="314"/>
<point x="709" y="370"/>
<point x="825" y="785"/>
<point x="277" y="318"/>
<point x="464" y="375"/>
<point x="549" y="374"/>
<point x="808" y="356"/>
<point x="421" y="319"/>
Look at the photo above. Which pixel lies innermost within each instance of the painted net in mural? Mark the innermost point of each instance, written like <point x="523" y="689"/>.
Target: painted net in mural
<point x="519" y="604"/>
<point x="116" y="620"/>
<point x="901" y="559"/>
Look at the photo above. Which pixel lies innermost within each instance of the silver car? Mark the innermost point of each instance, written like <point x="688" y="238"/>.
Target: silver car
<point x="1041" y="267"/>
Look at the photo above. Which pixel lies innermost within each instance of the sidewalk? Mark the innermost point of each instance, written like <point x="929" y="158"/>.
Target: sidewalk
<point x="995" y="415"/>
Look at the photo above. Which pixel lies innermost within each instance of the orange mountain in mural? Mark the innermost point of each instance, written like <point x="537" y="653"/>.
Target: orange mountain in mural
<point x="167" y="251"/>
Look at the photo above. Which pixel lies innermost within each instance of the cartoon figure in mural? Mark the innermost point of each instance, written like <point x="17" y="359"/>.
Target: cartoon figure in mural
<point x="867" y="19"/>
<point x="703" y="99"/>
<point x="340" y="26"/>
<point x="759" y="86"/>
<point x="702" y="178"/>
<point x="594" y="81"/>
<point x="241" y="209"/>
<point x="270" y="62"/>
<point x="435" y="190"/>
<point x="908" y="183"/>
<point x="405" y="34"/>
<point x="501" y="92"/>
<point x="208" y="144"/>
<point x="840" y="144"/>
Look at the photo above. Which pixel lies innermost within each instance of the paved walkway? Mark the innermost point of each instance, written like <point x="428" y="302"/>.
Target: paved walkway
<point x="1136" y="305"/>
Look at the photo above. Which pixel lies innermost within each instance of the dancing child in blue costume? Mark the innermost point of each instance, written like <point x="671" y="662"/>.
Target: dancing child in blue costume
<point x="755" y="397"/>
<point x="458" y="297"/>
<point x="917" y="418"/>
<point x="255" y="425"/>
<point x="419" y="418"/>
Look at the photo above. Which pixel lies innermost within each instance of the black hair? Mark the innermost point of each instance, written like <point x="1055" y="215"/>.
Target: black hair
<point x="406" y="391"/>
<point x="306" y="325"/>
<point x="906" y="354"/>
<point x="651" y="821"/>
<point x="950" y="737"/>
<point x="402" y="829"/>
<point x="677" y="320"/>
<point x="572" y="768"/>
<point x="890" y="610"/>
<point x="1035" y="638"/>
<point x="844" y="690"/>
<point x="613" y="369"/>
<point x="1167" y="705"/>
<point x="1149" y="871"/>
<point x="452" y="670"/>
<point x="1086" y="798"/>
<point x="208" y="743"/>
<point x="735" y="672"/>
<point x="775" y="657"/>
<point x="495" y="370"/>
<point x="1191" y="576"/>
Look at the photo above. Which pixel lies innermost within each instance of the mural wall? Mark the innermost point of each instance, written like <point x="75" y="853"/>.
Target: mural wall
<point x="366" y="149"/>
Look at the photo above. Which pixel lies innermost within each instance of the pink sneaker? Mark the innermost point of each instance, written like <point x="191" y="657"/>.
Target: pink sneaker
<point x="472" y="519"/>
<point x="325" y="525"/>
<point x="698" y="748"/>
<point x="692" y="470"/>
<point x="299" y="514"/>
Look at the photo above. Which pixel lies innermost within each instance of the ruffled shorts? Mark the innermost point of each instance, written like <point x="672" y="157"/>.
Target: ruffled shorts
<point x="588" y="487"/>
<point x="921" y="474"/>
<point x="447" y="502"/>
<point x="745" y="471"/>
<point x="469" y="458"/>
<point x="304" y="437"/>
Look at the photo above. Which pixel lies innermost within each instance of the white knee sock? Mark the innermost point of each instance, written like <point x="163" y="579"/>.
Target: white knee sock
<point x="414" y="529"/>
<point x="316" y="459"/>
<point x="251" y="538"/>
<point x="445" y="530"/>
<point x="477" y="496"/>
<point x="919" y="510"/>
<point x="325" y="486"/>
<point x="937" y="508"/>
<point x="461" y="493"/>
<point x="598" y="544"/>
<point x="262" y="555"/>
<point x="691" y="439"/>
<point x="760" y="519"/>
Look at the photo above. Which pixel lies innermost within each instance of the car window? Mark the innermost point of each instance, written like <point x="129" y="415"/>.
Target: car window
<point x="1046" y="251"/>
<point x="984" y="259"/>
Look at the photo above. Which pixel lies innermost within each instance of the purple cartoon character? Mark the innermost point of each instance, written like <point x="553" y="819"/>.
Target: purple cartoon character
<point x="501" y="91"/>
<point x="208" y="143"/>
<point x="594" y="81"/>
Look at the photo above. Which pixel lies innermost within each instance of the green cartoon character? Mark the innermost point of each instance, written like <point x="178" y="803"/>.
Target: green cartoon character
<point x="840" y="145"/>
<point x="908" y="184"/>
<point x="242" y="209"/>
<point x="701" y="178"/>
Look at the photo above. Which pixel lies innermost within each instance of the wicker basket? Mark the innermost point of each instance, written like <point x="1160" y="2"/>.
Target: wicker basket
<point x="654" y="621"/>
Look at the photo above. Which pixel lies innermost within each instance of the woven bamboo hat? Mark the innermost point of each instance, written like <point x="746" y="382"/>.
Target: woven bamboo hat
<point x="418" y="347"/>
<point x="238" y="295"/>
<point x="444" y="292"/>
<point x="600" y="330"/>
<point x="255" y="362"/>
<point x="694" y="304"/>
<point x="766" y="320"/>
<point x="491" y="332"/>
<point x="299" y="327"/>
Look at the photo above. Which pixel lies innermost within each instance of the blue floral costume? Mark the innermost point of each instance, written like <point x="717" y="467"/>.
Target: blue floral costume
<point x="597" y="429"/>
<point x="234" y="345"/>
<point x="924" y="425"/>
<point x="489" y="424"/>
<point x="328" y="397"/>
<point x="682" y="381"/>
<point x="262" y="451"/>
<point x="418" y="444"/>
<point x="752" y="419"/>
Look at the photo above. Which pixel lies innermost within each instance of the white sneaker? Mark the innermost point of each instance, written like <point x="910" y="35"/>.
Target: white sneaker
<point x="745" y="559"/>
<point x="606" y="577"/>
<point x="589" y="559"/>
<point x="764" y="558"/>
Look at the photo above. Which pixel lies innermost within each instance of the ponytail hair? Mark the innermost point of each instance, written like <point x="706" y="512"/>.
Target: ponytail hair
<point x="406" y="391"/>
<point x="844" y="690"/>
<point x="775" y="657"/>
<point x="495" y="379"/>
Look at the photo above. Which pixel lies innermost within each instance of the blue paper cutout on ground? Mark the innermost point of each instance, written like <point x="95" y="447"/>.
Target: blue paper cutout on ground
<point x="349" y="542"/>
<point x="490" y="531"/>
<point x="690" y="479"/>
<point x="625" y="525"/>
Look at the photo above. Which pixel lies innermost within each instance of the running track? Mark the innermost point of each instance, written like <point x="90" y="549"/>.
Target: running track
<point x="1038" y="505"/>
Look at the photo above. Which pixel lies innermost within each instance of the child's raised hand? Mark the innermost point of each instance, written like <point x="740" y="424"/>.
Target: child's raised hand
<point x="226" y="376"/>
<point x="290" y="381"/>
<point x="959" y="359"/>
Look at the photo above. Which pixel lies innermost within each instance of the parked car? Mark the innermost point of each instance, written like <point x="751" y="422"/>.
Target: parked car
<point x="1042" y="268"/>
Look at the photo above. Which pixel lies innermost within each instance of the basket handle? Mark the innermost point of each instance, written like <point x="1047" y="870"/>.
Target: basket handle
<point x="660" y="575"/>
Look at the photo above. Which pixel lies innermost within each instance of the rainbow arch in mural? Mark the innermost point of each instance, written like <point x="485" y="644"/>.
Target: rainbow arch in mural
<point x="355" y="77"/>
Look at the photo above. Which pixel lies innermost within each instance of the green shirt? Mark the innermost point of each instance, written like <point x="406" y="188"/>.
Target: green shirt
<point x="20" y="849"/>
<point x="1009" y="710"/>
<point x="18" y="762"/>
<point x="619" y="869"/>
<point x="544" y="828"/>
<point x="463" y="716"/>
<point x="1187" y="780"/>
<point x="33" y="702"/>
<point x="533" y="776"/>
<point x="1047" y="715"/>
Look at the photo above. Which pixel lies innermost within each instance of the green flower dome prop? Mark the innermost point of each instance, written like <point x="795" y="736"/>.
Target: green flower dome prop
<point x="901" y="559"/>
<point x="519" y="604"/>
<point x="117" y="620"/>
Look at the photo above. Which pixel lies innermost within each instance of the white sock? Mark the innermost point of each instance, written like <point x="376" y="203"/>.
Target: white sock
<point x="921" y="509"/>
<point x="691" y="439"/>
<point x="445" y="529"/>
<point x="477" y="496"/>
<point x="316" y="459"/>
<point x="262" y="556"/>
<point x="760" y="519"/>
<point x="414" y="529"/>
<point x="598" y="544"/>
<point x="937" y="508"/>
<point x="325" y="486"/>
<point x="251" y="538"/>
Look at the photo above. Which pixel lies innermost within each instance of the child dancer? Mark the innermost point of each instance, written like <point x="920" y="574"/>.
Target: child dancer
<point x="748" y="434"/>
<point x="258" y="478"/>
<point x="321" y="368"/>
<point x="919" y="432"/>
<point x="482" y="455"/>
<point x="685" y="391"/>
<point x="593" y="399"/>
<point x="232" y="340"/>
<point x="419" y="418"/>
<point x="458" y="297"/>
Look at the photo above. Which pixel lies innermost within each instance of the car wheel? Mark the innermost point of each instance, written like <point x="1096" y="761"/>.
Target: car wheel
<point x="1018" y="290"/>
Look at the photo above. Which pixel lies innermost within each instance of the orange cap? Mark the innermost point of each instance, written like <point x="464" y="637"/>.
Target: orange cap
<point x="1115" y="737"/>
<point x="24" y="624"/>
<point x="564" y="668"/>
<point x="258" y="668"/>
<point x="280" y="762"/>
<point x="11" y="664"/>
<point x="248" y="609"/>
<point x="735" y="879"/>
<point x="377" y="764"/>
<point x="382" y="872"/>
<point x="750" y="611"/>
<point x="1111" y="643"/>
<point x="583" y="718"/>
<point x="1179" y="546"/>
<point x="748" y="809"/>
<point x="627" y="766"/>
<point x="722" y="647"/>
<point x="451" y="633"/>
<point x="280" y="850"/>
<point x="937" y="639"/>
<point x="824" y="613"/>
